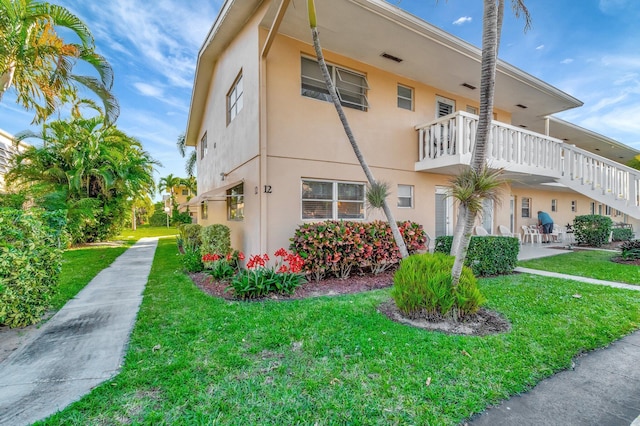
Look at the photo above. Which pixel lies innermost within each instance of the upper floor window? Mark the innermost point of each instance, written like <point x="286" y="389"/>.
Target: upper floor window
<point x="332" y="200"/>
<point x="405" y="97"/>
<point x="203" y="145"/>
<point x="405" y="196"/>
<point x="235" y="202"/>
<point x="234" y="99"/>
<point x="185" y="192"/>
<point x="554" y="205"/>
<point x="444" y="106"/>
<point x="351" y="86"/>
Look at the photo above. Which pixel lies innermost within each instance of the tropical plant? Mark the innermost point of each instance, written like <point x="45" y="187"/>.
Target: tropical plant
<point x="91" y="170"/>
<point x="630" y="250"/>
<point x="169" y="184"/>
<point x="493" y="14"/>
<point x="38" y="64"/>
<point x="331" y="87"/>
<point x="192" y="159"/>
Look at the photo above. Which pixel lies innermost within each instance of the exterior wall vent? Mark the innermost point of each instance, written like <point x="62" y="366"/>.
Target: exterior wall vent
<point x="393" y="58"/>
<point x="468" y="86"/>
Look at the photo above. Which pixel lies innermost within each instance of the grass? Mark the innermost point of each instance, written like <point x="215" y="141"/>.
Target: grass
<point x="146" y="231"/>
<point x="587" y="263"/>
<point x="194" y="359"/>
<point x="79" y="266"/>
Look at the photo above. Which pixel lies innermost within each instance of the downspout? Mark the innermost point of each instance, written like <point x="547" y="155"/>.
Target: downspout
<point x="273" y="31"/>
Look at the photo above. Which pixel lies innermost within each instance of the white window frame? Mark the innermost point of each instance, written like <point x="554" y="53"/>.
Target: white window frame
<point x="235" y="99"/>
<point x="410" y="197"/>
<point x="345" y="89"/>
<point x="528" y="207"/>
<point x="444" y="101"/>
<point x="404" y="98"/>
<point x="203" y="145"/>
<point x="335" y="214"/>
<point x="235" y="200"/>
<point x="554" y="205"/>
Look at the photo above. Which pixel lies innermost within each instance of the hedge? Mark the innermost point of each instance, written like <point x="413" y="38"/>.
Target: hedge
<point x="621" y="234"/>
<point x="487" y="256"/>
<point x="592" y="230"/>
<point x="342" y="247"/>
<point x="30" y="263"/>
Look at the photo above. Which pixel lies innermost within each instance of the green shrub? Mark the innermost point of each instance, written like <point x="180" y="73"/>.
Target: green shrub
<point x="30" y="263"/>
<point x="592" y="230"/>
<point x="422" y="287"/>
<point x="215" y="239"/>
<point x="223" y="267"/>
<point x="621" y="234"/>
<point x="192" y="260"/>
<point x="189" y="236"/>
<point x="159" y="217"/>
<point x="180" y="218"/>
<point x="487" y="256"/>
<point x="340" y="247"/>
<point x="631" y="250"/>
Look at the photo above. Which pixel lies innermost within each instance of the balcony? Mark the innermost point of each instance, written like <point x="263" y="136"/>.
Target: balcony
<point x="447" y="143"/>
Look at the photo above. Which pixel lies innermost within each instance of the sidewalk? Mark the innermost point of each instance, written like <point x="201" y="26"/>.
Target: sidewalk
<point x="603" y="387"/>
<point x="81" y="346"/>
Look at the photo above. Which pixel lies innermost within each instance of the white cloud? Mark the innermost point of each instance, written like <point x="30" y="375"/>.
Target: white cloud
<point x="566" y="61"/>
<point x="462" y="20"/>
<point x="540" y="47"/>
<point x="149" y="90"/>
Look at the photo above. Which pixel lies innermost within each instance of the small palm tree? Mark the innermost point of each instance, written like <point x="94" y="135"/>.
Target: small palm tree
<point x="169" y="184"/>
<point x="37" y="63"/>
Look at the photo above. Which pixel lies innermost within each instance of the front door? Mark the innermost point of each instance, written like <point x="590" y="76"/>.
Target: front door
<point x="443" y="212"/>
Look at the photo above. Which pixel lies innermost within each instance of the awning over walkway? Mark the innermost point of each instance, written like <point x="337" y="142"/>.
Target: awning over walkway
<point x="219" y="194"/>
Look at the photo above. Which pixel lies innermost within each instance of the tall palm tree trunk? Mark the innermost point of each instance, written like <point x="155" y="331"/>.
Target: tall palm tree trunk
<point x="347" y="129"/>
<point x="490" y="38"/>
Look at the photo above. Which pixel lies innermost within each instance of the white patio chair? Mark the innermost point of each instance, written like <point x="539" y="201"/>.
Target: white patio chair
<point x="481" y="231"/>
<point x="532" y="233"/>
<point x="557" y="233"/>
<point x="505" y="232"/>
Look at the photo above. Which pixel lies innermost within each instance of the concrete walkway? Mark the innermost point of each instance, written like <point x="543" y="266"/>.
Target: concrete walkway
<point x="81" y="346"/>
<point x="602" y="388"/>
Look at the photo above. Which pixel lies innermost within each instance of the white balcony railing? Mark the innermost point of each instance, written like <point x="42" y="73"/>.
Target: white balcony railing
<point x="449" y="141"/>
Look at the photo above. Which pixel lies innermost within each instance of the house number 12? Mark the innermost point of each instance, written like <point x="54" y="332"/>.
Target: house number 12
<point x="267" y="189"/>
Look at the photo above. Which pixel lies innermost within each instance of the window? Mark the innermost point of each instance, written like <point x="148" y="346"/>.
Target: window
<point x="351" y="86"/>
<point x="574" y="206"/>
<point x="444" y="106"/>
<point x="204" y="210"/>
<point x="472" y="110"/>
<point x="405" y="196"/>
<point x="607" y="210"/>
<point x="592" y="207"/>
<point x="234" y="99"/>
<point x="332" y="200"/>
<point x="554" y="205"/>
<point x="203" y="145"/>
<point x="405" y="97"/>
<point x="526" y="207"/>
<point x="235" y="202"/>
<point x="185" y="192"/>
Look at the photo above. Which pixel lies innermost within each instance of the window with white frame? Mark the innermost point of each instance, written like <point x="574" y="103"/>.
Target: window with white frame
<point x="405" y="97"/>
<point x="204" y="210"/>
<point x="405" y="196"/>
<point x="444" y="106"/>
<point x="351" y="86"/>
<point x="203" y="145"/>
<point x="574" y="206"/>
<point x="332" y="199"/>
<point x="554" y="205"/>
<point x="234" y="99"/>
<point x="235" y="202"/>
<point x="607" y="210"/>
<point x="526" y="207"/>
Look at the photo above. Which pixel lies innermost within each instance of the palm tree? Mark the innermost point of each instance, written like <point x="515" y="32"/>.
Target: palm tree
<point x="87" y="168"/>
<point x="190" y="166"/>
<point x="169" y="183"/>
<point x="38" y="63"/>
<point x="347" y="129"/>
<point x="192" y="185"/>
<point x="492" y="26"/>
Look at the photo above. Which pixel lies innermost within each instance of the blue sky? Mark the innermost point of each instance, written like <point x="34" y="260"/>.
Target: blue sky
<point x="587" y="48"/>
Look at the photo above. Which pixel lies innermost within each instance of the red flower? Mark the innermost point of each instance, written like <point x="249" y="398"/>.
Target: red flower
<point x="281" y="252"/>
<point x="283" y="269"/>
<point x="241" y="256"/>
<point x="229" y="257"/>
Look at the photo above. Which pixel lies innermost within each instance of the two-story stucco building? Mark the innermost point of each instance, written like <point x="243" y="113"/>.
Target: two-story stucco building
<point x="272" y="153"/>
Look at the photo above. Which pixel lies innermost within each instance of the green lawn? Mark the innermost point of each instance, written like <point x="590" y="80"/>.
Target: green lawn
<point x="146" y="231"/>
<point x="79" y="266"/>
<point x="587" y="263"/>
<point x="194" y="359"/>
